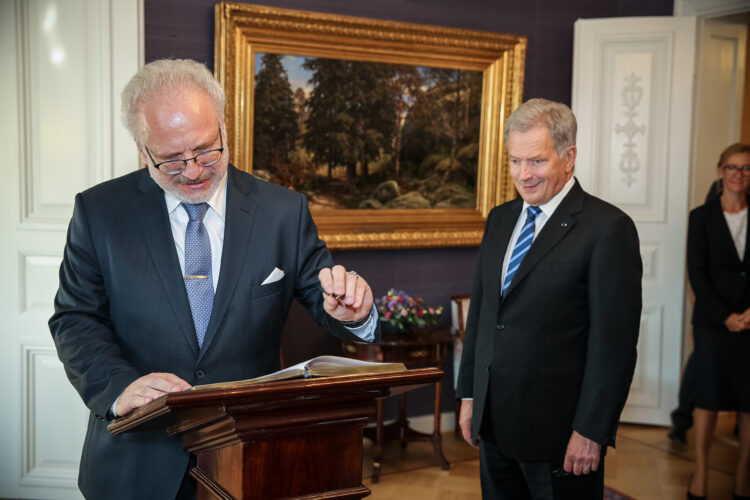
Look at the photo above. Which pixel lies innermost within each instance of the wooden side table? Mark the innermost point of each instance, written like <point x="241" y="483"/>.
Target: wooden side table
<point x="424" y="348"/>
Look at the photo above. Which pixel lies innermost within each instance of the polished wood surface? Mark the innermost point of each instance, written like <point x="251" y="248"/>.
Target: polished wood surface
<point x="425" y="347"/>
<point x="645" y="466"/>
<point x="288" y="439"/>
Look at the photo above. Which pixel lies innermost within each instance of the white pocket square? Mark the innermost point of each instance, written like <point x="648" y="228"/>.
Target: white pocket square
<point x="275" y="275"/>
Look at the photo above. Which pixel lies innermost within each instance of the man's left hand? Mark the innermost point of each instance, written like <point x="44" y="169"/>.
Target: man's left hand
<point x="346" y="295"/>
<point x="582" y="455"/>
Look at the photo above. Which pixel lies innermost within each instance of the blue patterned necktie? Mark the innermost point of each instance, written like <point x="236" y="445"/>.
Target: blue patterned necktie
<point x="522" y="245"/>
<point x="198" y="278"/>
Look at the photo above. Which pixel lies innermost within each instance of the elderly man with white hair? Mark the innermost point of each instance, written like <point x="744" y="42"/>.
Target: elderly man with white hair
<point x="183" y="273"/>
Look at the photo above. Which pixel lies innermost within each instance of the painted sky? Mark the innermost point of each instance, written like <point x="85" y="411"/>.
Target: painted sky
<point x="298" y="76"/>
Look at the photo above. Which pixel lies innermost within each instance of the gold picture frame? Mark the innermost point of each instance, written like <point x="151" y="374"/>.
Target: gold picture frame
<point x="242" y="30"/>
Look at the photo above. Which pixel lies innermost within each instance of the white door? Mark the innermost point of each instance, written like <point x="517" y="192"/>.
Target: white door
<point x="720" y="86"/>
<point x="64" y="64"/>
<point x="633" y="97"/>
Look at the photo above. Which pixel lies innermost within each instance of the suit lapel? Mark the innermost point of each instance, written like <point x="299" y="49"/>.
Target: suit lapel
<point x="554" y="230"/>
<point x="151" y="211"/>
<point x="238" y="226"/>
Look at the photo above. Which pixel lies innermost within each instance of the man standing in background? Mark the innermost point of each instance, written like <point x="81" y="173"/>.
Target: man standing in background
<point x="553" y="324"/>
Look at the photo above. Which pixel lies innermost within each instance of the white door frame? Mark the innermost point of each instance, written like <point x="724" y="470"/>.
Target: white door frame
<point x="65" y="64"/>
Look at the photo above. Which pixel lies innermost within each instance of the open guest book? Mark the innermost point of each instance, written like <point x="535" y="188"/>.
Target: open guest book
<point x="321" y="366"/>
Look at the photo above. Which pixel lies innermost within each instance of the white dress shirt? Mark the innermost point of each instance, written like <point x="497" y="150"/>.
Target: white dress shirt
<point x="737" y="224"/>
<point x="547" y="210"/>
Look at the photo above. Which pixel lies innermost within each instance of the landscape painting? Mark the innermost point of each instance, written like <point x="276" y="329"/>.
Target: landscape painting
<point x="367" y="135"/>
<point x="393" y="131"/>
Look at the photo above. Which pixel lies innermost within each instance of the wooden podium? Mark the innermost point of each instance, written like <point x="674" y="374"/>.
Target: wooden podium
<point x="298" y="439"/>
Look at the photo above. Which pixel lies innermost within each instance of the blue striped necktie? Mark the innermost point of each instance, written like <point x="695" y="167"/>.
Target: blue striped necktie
<point x="198" y="277"/>
<point x="522" y="245"/>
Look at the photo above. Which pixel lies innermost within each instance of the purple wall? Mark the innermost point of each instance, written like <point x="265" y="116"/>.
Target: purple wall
<point x="184" y="28"/>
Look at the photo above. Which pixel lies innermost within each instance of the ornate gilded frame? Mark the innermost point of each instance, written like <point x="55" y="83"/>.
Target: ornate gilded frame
<point x="242" y="30"/>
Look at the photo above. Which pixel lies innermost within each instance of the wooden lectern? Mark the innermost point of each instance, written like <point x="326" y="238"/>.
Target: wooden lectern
<point x="298" y="439"/>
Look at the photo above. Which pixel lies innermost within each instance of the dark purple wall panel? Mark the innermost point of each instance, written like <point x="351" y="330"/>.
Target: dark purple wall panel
<point x="184" y="28"/>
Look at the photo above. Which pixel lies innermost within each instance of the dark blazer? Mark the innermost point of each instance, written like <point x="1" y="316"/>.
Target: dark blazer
<point x="718" y="277"/>
<point x="122" y="312"/>
<point x="561" y="345"/>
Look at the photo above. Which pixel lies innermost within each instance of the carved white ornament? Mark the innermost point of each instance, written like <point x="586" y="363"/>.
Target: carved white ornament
<point x="631" y="94"/>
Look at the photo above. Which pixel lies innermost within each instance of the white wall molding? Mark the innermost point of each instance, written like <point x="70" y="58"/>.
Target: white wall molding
<point x="645" y="390"/>
<point x="70" y="83"/>
<point x="45" y="447"/>
<point x="37" y="282"/>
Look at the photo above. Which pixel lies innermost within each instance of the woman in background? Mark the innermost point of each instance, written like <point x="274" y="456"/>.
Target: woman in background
<point x="719" y="271"/>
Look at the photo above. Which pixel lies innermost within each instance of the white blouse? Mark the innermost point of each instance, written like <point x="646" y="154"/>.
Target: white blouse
<point x="737" y="223"/>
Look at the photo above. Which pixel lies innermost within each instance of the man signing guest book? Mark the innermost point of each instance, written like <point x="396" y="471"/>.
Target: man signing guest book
<point x="553" y="323"/>
<point x="183" y="273"/>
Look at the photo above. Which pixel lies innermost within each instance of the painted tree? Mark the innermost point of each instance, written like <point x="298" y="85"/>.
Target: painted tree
<point x="275" y="124"/>
<point x="351" y="113"/>
<point x="408" y="85"/>
<point x="455" y="96"/>
<point x="326" y="112"/>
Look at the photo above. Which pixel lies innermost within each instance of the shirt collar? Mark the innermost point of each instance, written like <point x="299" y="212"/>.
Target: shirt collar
<point x="549" y="208"/>
<point x="217" y="201"/>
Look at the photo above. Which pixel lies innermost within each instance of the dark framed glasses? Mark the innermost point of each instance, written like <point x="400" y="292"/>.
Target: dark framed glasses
<point x="745" y="169"/>
<point x="204" y="159"/>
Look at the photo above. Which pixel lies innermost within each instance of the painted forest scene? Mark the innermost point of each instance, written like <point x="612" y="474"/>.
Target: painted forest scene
<point x="363" y="135"/>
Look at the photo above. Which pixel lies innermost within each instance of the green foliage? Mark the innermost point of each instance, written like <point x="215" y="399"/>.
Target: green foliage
<point x="429" y="163"/>
<point x="469" y="152"/>
<point x="445" y="117"/>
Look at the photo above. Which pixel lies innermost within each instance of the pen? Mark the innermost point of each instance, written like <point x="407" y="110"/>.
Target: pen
<point x="340" y="298"/>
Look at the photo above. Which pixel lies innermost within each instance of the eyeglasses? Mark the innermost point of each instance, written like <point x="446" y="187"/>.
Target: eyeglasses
<point x="204" y="159"/>
<point x="745" y="169"/>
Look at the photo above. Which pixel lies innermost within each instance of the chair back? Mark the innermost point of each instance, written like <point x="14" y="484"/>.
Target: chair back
<point x="459" y="313"/>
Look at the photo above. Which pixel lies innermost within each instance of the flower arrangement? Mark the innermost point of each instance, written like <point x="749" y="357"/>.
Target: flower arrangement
<point x="404" y="312"/>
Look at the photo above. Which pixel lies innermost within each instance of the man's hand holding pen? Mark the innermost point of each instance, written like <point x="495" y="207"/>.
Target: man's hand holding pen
<point x="346" y="295"/>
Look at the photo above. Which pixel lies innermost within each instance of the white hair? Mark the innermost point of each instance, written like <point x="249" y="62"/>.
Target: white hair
<point x="164" y="76"/>
<point x="557" y="117"/>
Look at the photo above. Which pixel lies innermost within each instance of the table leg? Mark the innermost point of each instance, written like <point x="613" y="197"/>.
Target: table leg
<point x="437" y="440"/>
<point x="402" y="422"/>
<point x="377" y="459"/>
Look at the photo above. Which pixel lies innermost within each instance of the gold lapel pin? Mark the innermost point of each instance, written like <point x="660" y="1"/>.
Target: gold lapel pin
<point x="564" y="224"/>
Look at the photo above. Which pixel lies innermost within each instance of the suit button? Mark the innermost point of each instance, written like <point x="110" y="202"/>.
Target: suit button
<point x="500" y="326"/>
<point x="199" y="374"/>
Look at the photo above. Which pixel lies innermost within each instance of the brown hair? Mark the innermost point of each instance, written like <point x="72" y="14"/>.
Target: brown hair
<point x="733" y="149"/>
